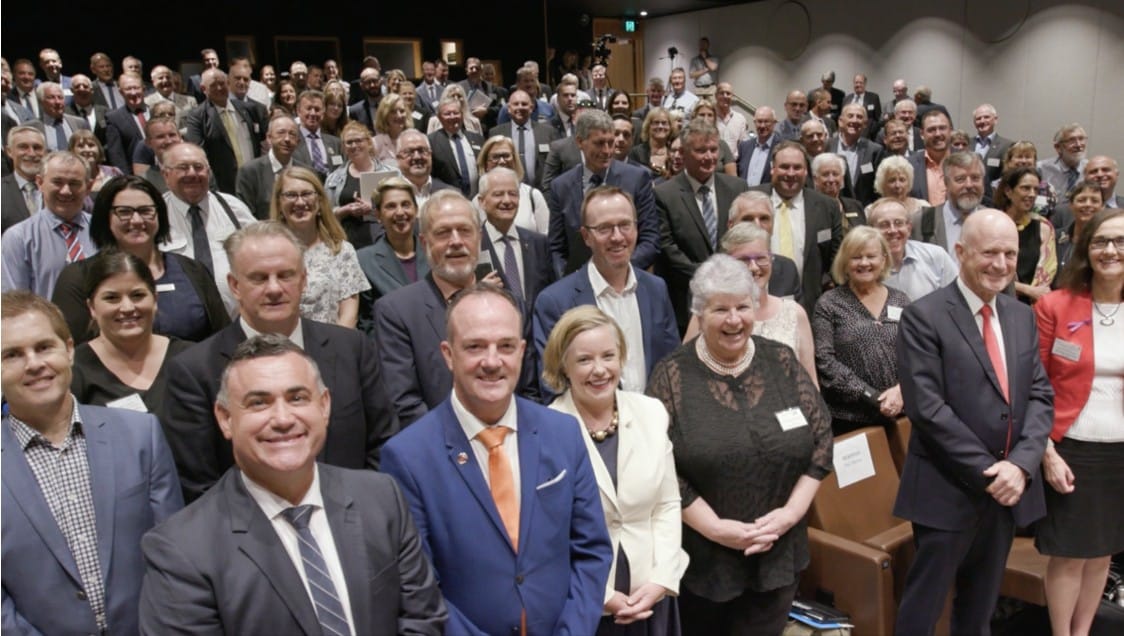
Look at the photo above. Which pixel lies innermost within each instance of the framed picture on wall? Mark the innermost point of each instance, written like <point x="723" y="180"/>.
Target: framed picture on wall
<point x="400" y="53"/>
<point x="452" y="51"/>
<point x="241" y="46"/>
<point x="308" y="49"/>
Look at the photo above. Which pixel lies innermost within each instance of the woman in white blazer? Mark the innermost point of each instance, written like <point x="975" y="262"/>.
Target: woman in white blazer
<point x="632" y="460"/>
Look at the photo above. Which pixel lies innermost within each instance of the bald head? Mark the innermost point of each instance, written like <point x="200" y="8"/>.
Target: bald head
<point x="988" y="251"/>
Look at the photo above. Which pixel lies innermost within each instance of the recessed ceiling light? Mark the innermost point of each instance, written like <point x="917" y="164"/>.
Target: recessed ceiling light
<point x="643" y="14"/>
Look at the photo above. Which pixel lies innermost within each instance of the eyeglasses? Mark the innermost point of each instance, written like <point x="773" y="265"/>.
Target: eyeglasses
<point x="409" y="152"/>
<point x="606" y="230"/>
<point x="760" y="260"/>
<point x="304" y="195"/>
<point x="897" y="224"/>
<point x="185" y="168"/>
<point x="497" y="157"/>
<point x="1101" y="243"/>
<point x="126" y="212"/>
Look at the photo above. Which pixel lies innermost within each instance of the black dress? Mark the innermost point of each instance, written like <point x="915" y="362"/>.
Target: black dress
<point x="93" y="383"/>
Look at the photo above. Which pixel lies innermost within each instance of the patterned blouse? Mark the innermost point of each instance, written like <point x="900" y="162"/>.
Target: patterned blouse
<point x="331" y="278"/>
<point x="731" y="450"/>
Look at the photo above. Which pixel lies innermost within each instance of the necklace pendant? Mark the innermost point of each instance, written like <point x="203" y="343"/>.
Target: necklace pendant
<point x="1108" y="321"/>
<point x="598" y="436"/>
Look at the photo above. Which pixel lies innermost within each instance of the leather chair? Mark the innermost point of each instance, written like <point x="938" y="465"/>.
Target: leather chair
<point x="899" y="441"/>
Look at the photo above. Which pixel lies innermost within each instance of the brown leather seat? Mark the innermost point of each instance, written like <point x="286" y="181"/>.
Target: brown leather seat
<point x="899" y="441"/>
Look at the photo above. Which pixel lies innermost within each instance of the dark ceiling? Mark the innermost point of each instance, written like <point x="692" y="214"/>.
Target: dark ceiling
<point x="632" y="8"/>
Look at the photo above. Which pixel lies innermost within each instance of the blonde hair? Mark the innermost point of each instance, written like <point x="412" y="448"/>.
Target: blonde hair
<point x="572" y="324"/>
<point x="327" y="227"/>
<point x="858" y="238"/>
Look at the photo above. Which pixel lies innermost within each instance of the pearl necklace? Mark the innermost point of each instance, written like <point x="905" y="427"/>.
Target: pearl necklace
<point x="609" y="431"/>
<point x="724" y="368"/>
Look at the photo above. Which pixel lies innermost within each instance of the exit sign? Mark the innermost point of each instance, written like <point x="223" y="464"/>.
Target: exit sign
<point x="630" y="26"/>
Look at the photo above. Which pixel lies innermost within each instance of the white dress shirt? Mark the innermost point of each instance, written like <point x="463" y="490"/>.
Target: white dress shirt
<point x="975" y="304"/>
<point x="625" y="309"/>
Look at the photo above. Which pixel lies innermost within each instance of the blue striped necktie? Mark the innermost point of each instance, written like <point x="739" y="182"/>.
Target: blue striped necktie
<point x="329" y="610"/>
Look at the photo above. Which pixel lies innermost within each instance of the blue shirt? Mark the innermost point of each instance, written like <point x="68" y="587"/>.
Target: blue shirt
<point x="34" y="251"/>
<point x="925" y="268"/>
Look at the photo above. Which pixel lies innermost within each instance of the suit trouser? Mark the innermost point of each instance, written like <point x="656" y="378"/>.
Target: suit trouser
<point x="973" y="559"/>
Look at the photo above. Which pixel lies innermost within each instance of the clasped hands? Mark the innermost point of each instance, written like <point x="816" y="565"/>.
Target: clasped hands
<point x="756" y="537"/>
<point x="1009" y="483"/>
<point x="637" y="606"/>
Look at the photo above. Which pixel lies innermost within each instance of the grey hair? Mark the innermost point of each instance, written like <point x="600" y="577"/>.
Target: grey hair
<point x="262" y="229"/>
<point x="963" y="160"/>
<point x="438" y="199"/>
<point x="19" y="130"/>
<point x="593" y="119"/>
<point x="905" y="102"/>
<point x="43" y="86"/>
<point x="267" y="345"/>
<point x="721" y="274"/>
<point x="825" y="158"/>
<point x="487" y="178"/>
<point x="742" y="234"/>
<point x="747" y="197"/>
<point x="406" y="135"/>
<point x="1065" y="130"/>
<point x="892" y="165"/>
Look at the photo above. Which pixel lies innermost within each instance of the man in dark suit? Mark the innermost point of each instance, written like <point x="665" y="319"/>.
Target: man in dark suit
<point x="808" y="226"/>
<point x="476" y="88"/>
<point x="59" y="126"/>
<point x="454" y="148"/>
<point x="257" y="176"/>
<point x="755" y="154"/>
<point x="562" y="156"/>
<point x="318" y="149"/>
<point x="796" y="111"/>
<point x="81" y="104"/>
<point x="755" y="207"/>
<point x="819" y="110"/>
<point x="124" y="126"/>
<point x="537" y="137"/>
<point x="655" y="94"/>
<point x="988" y="144"/>
<point x="106" y="92"/>
<point x="871" y="103"/>
<point x="26" y="147"/>
<point x="694" y="212"/>
<point x="535" y="534"/>
<point x="410" y="321"/>
<point x="905" y="111"/>
<point x="981" y="405"/>
<point x="160" y="133"/>
<point x="637" y="300"/>
<point x="224" y="129"/>
<point x="267" y="278"/>
<point x="364" y="110"/>
<point x="415" y="162"/>
<point x="282" y="544"/>
<point x="927" y="182"/>
<point x="23" y="92"/>
<point x="595" y="138"/>
<point x="241" y="75"/>
<point x="827" y="83"/>
<point x="861" y="155"/>
<point x="565" y="118"/>
<point x="210" y="59"/>
<point x="81" y="485"/>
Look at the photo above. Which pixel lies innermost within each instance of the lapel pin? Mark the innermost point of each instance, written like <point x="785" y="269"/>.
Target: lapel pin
<point x="462" y="458"/>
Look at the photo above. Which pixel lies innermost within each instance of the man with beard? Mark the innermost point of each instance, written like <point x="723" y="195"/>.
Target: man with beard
<point x="415" y="162"/>
<point x="256" y="178"/>
<point x="1064" y="170"/>
<point x="364" y="110"/>
<point x="964" y="179"/>
<point x="861" y="154"/>
<point x="928" y="183"/>
<point x="162" y="81"/>
<point x="410" y="321"/>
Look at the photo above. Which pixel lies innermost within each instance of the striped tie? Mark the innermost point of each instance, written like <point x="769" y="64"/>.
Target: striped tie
<point x="69" y="233"/>
<point x="710" y="219"/>
<point x="329" y="610"/>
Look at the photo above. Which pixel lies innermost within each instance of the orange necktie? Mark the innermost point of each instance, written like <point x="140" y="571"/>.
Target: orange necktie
<point x="501" y="481"/>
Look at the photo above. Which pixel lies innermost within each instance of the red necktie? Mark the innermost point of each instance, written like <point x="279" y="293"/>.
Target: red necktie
<point x="993" y="352"/>
<point x="69" y="233"/>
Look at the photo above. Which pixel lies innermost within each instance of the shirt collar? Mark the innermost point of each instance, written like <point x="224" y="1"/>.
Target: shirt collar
<point x="794" y="202"/>
<point x="601" y="286"/>
<point x="25" y="435"/>
<point x="276" y="164"/>
<point x="695" y="184"/>
<point x="297" y="337"/>
<point x="472" y="425"/>
<point x="272" y="504"/>
<point x="495" y="236"/>
<point x="975" y="303"/>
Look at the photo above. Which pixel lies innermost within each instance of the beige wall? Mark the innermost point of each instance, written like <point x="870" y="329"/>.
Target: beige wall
<point x="1042" y="63"/>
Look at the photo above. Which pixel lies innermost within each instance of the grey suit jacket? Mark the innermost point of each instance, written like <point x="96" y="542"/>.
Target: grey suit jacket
<point x="75" y="122"/>
<point x="99" y="119"/>
<point x="993" y="162"/>
<point x="939" y="237"/>
<point x="332" y="144"/>
<point x="564" y="154"/>
<point x="205" y="127"/>
<point x="134" y="487"/>
<point x="219" y="566"/>
<point x="386" y="274"/>
<point x="545" y="135"/>
<point x="445" y="165"/>
<point x="255" y="185"/>
<point x="684" y="243"/>
<point x="14" y="207"/>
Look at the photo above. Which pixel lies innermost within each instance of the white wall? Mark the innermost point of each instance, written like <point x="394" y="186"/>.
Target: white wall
<point x="1042" y="63"/>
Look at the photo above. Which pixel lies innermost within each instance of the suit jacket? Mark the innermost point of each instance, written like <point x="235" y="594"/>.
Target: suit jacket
<point x="564" y="550"/>
<point x="657" y="317"/>
<point x="567" y="249"/>
<point x="564" y="154"/>
<point x="205" y="127"/>
<point x="538" y="273"/>
<point x="220" y="567"/>
<point x="961" y="422"/>
<point x="134" y="487"/>
<point x="939" y="236"/>
<point x="861" y="186"/>
<point x="920" y="188"/>
<point x="14" y="207"/>
<point x="99" y="94"/>
<point x="99" y="119"/>
<point x="642" y="508"/>
<point x="121" y="138"/>
<point x="75" y="122"/>
<point x="445" y="165"/>
<point x="386" y="274"/>
<point x="684" y="244"/>
<point x="359" y="112"/>
<point x="332" y="145"/>
<point x="361" y="418"/>
<point x="544" y="137"/>
<point x="255" y="185"/>
<point x="993" y="161"/>
<point x="785" y="279"/>
<point x="873" y="105"/>
<point x="1072" y="379"/>
<point x="821" y="214"/>
<point x="745" y="155"/>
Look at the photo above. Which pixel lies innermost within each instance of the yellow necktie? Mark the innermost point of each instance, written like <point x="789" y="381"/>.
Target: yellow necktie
<point x="232" y="134"/>
<point x="783" y="227"/>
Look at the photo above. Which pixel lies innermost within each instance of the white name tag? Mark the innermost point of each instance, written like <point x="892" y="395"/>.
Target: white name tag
<point x="823" y="236"/>
<point x="1040" y="202"/>
<point x="851" y="215"/>
<point x="1069" y="350"/>
<point x="417" y="115"/>
<point x="791" y="418"/>
<point x="257" y="129"/>
<point x="870" y="106"/>
<point x="165" y="287"/>
<point x="337" y="160"/>
<point x="544" y="147"/>
<point x="993" y="162"/>
<point x="893" y="313"/>
<point x="129" y="402"/>
<point x="866" y="168"/>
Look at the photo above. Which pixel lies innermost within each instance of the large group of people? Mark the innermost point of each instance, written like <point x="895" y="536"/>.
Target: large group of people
<point x="297" y="354"/>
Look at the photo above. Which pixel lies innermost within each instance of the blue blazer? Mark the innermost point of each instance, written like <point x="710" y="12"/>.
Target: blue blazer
<point x="134" y="485"/>
<point x="960" y="419"/>
<point x="559" y="573"/>
<point x="920" y="188"/>
<point x="657" y="317"/>
<point x="537" y="271"/>
<point x="745" y="154"/>
<point x="567" y="249"/>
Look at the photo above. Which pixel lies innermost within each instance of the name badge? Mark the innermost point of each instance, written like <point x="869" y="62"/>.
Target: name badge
<point x="544" y="147"/>
<point x="870" y="106"/>
<point x="417" y="115"/>
<point x="1069" y="350"/>
<point x="851" y="215"/>
<point x="893" y="313"/>
<point x="791" y="418"/>
<point x="130" y="403"/>
<point x="1040" y="202"/>
<point x="475" y="148"/>
<point x="823" y="236"/>
<point x="993" y="162"/>
<point x="866" y="168"/>
<point x="257" y="128"/>
<point x="165" y="287"/>
<point x="337" y="160"/>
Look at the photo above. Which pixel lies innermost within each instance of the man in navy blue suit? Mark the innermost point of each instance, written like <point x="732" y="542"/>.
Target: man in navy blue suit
<point x="637" y="300"/>
<point x="595" y="138"/>
<point x="982" y="407"/>
<point x="501" y="488"/>
<point x="81" y="485"/>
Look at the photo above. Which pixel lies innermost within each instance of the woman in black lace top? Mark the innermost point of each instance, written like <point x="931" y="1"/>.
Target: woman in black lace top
<point x="752" y="440"/>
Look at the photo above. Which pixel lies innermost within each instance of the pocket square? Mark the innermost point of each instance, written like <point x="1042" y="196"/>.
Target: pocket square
<point x="557" y="478"/>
